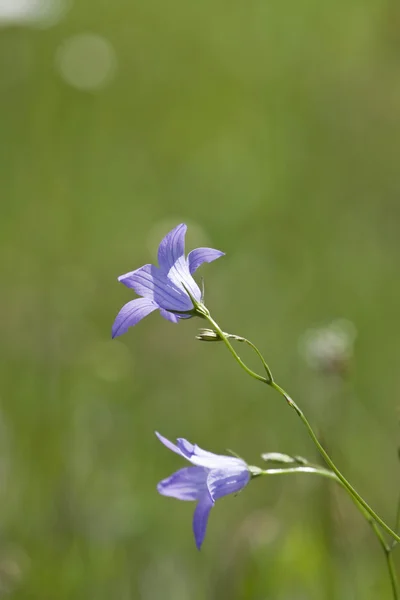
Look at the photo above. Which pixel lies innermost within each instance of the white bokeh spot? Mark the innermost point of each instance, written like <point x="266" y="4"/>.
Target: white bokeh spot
<point x="327" y="347"/>
<point x="86" y="61"/>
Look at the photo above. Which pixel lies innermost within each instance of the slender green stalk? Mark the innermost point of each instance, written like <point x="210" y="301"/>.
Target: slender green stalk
<point x="387" y="550"/>
<point x="270" y="381"/>
<point x="317" y="470"/>
<point x="397" y="523"/>
<point x="392" y="573"/>
<point x="233" y="351"/>
<point x="238" y="338"/>
<point x="332" y="465"/>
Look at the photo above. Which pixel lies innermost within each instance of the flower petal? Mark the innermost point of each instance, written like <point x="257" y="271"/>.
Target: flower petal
<point x="201" y="255"/>
<point x="222" y="482"/>
<point x="172" y="261"/>
<point x="200" y="518"/>
<point x="130" y="314"/>
<point x="168" y="444"/>
<point x="169" y="315"/>
<point x="173" y="317"/>
<point x="199" y="457"/>
<point x="172" y="247"/>
<point x="150" y="282"/>
<point x="181" y="278"/>
<point x="189" y="483"/>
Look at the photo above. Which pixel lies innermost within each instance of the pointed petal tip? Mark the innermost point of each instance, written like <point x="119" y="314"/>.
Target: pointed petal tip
<point x="199" y="256"/>
<point x="200" y="519"/>
<point x="168" y="444"/>
<point x="172" y="247"/>
<point x="182" y="228"/>
<point x="181" y="225"/>
<point x="131" y="313"/>
<point x="124" y="276"/>
<point x="115" y="331"/>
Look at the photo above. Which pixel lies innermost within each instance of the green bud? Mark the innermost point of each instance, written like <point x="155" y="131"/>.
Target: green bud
<point x="255" y="471"/>
<point x="208" y="335"/>
<point x="278" y="458"/>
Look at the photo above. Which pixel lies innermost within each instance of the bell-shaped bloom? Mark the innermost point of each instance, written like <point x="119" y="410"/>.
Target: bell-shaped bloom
<point x="211" y="477"/>
<point x="168" y="287"/>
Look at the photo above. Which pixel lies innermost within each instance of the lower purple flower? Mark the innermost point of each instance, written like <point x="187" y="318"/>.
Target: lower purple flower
<point x="211" y="477"/>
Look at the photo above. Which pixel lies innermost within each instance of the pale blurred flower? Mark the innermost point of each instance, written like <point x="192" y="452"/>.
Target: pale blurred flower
<point x="40" y="12"/>
<point x="329" y="349"/>
<point x="86" y="61"/>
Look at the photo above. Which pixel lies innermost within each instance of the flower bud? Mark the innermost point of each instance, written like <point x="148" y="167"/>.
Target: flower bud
<point x="208" y="335"/>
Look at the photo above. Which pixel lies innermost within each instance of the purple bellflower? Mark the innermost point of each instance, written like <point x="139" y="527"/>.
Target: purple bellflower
<point x="211" y="477"/>
<point x="170" y="288"/>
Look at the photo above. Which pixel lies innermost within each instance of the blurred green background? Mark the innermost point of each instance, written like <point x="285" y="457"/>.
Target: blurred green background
<point x="273" y="130"/>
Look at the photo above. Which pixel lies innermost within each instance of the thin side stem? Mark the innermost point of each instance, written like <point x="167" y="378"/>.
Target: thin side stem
<point x="233" y="351"/>
<point x="300" y="469"/>
<point x="256" y="350"/>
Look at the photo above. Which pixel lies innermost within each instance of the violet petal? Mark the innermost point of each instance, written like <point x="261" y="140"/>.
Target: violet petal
<point x="189" y="483"/>
<point x="168" y="444"/>
<point x="201" y="255"/>
<point x="130" y="314"/>
<point x="199" y="457"/>
<point x="222" y="482"/>
<point x="173" y="264"/>
<point x="172" y="247"/>
<point x="169" y="315"/>
<point x="150" y="282"/>
<point x="180" y="276"/>
<point x="200" y="518"/>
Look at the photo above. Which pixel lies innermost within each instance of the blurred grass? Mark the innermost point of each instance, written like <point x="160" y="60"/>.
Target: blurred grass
<point x="273" y="131"/>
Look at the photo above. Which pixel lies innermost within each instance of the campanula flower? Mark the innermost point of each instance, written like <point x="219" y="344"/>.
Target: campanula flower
<point x="211" y="477"/>
<point x="170" y="288"/>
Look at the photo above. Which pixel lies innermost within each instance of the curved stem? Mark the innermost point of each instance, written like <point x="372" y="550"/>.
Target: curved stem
<point x="256" y="350"/>
<point x="233" y="351"/>
<point x="270" y="381"/>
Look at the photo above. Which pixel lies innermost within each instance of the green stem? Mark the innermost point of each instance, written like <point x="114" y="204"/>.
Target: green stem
<point x="397" y="523"/>
<point x="270" y="381"/>
<point x="332" y="465"/>
<point x="239" y="338"/>
<point x="233" y="351"/>
<point x="315" y="469"/>
<point x="392" y="573"/>
<point x="300" y="469"/>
